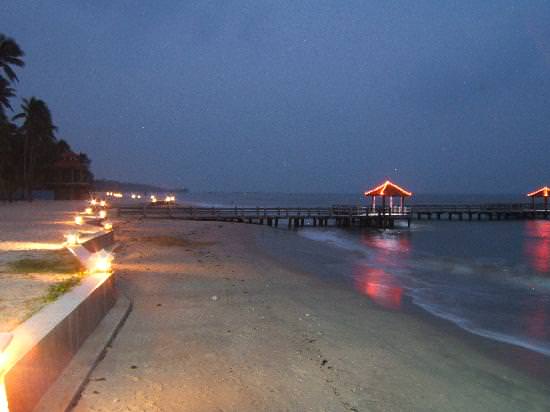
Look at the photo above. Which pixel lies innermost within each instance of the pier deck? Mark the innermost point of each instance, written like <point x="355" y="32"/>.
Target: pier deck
<point x="272" y="216"/>
<point x="337" y="215"/>
<point x="515" y="211"/>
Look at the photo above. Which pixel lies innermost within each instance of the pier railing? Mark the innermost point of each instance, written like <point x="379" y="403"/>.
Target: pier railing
<point x="470" y="207"/>
<point x="343" y="215"/>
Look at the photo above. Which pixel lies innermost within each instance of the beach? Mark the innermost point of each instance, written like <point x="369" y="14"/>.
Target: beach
<point x="32" y="256"/>
<point x="219" y="324"/>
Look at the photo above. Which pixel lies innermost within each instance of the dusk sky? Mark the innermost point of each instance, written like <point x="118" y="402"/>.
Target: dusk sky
<point x="299" y="96"/>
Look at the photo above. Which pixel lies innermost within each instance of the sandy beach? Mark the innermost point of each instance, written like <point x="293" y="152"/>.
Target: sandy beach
<point x="31" y="232"/>
<point x="218" y="325"/>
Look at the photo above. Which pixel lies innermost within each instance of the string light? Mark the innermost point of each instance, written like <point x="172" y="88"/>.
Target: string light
<point x="542" y="192"/>
<point x="380" y="190"/>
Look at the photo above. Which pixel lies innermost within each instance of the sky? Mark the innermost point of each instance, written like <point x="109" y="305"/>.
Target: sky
<point x="296" y="96"/>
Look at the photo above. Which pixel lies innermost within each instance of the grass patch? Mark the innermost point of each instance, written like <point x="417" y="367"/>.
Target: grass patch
<point x="60" y="288"/>
<point x="168" y="241"/>
<point x="54" y="262"/>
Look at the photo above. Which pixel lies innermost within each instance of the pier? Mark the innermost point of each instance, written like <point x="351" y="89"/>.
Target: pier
<point x="342" y="216"/>
<point x="514" y="211"/>
<point x="383" y="217"/>
<point x="339" y="215"/>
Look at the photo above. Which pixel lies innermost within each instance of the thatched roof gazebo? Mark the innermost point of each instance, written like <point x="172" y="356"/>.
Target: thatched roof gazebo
<point x="543" y="192"/>
<point x="388" y="190"/>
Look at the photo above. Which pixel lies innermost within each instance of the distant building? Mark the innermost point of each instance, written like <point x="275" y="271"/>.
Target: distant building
<point x="70" y="177"/>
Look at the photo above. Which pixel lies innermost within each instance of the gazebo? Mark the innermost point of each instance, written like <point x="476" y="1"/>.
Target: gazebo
<point x="543" y="192"/>
<point x="391" y="190"/>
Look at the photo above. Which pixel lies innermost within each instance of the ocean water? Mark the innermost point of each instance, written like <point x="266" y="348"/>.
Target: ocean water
<point x="488" y="278"/>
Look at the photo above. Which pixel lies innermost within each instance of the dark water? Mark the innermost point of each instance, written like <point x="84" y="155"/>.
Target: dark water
<point x="489" y="278"/>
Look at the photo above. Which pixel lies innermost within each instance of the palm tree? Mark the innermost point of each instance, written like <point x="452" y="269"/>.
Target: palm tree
<point x="10" y="157"/>
<point x="10" y="55"/>
<point x="38" y="133"/>
<point x="6" y="92"/>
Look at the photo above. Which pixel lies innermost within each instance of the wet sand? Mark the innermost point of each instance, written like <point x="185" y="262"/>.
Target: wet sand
<point x="216" y="325"/>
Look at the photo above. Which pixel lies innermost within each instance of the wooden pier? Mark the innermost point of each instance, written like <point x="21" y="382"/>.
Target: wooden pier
<point x="341" y="215"/>
<point x="514" y="211"/>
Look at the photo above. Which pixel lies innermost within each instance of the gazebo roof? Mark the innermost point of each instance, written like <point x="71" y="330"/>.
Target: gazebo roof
<point x="542" y="192"/>
<point x="388" y="189"/>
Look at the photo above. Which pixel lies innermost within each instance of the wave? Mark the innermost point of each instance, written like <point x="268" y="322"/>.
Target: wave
<point x="333" y="238"/>
<point x="421" y="276"/>
<point x="470" y="326"/>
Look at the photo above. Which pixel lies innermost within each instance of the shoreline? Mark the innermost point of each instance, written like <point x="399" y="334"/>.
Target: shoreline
<point x="236" y="331"/>
<point x="521" y="358"/>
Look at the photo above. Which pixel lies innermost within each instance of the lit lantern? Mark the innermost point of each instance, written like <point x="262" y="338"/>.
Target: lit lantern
<point x="139" y="196"/>
<point x="102" y="214"/>
<point x="100" y="262"/>
<point x="78" y="220"/>
<point x="107" y="226"/>
<point x="88" y="210"/>
<point x="72" y="239"/>
<point x="103" y="203"/>
<point x="93" y="202"/>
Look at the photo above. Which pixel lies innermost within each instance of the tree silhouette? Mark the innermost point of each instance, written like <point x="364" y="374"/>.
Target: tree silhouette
<point x="10" y="55"/>
<point x="38" y="133"/>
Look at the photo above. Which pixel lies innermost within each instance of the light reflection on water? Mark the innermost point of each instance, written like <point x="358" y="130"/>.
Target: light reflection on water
<point x="380" y="286"/>
<point x="505" y="296"/>
<point x="537" y="245"/>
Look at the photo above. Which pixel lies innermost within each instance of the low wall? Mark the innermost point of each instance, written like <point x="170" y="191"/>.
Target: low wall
<point x="44" y="345"/>
<point x="101" y="241"/>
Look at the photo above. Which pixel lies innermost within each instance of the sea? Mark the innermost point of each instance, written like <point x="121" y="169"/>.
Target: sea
<point x="488" y="278"/>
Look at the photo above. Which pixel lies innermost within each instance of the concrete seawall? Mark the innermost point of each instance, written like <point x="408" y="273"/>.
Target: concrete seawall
<point x="44" y="345"/>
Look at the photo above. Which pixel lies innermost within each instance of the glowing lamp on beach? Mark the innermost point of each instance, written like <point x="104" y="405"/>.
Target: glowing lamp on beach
<point x="72" y="239"/>
<point x="103" y="203"/>
<point x="107" y="226"/>
<point x="153" y="199"/>
<point x="88" y="210"/>
<point x="100" y="262"/>
<point x="102" y="214"/>
<point x="139" y="196"/>
<point x="79" y="220"/>
<point x="93" y="202"/>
